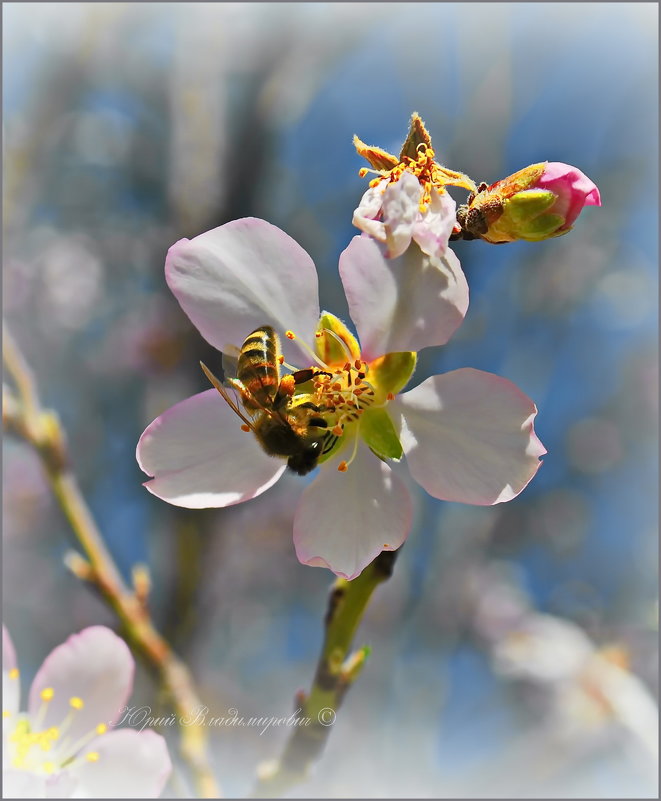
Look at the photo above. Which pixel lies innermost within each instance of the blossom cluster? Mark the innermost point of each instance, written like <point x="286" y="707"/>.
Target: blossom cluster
<point x="347" y="405"/>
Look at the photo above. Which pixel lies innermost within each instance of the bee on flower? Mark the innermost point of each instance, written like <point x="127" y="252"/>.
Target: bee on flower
<point x="250" y="289"/>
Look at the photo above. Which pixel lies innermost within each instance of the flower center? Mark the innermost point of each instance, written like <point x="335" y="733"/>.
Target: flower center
<point x="47" y="750"/>
<point x="430" y="174"/>
<point x="339" y="394"/>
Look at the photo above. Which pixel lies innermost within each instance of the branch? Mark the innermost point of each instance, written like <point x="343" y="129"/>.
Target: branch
<point x="23" y="415"/>
<point x="335" y="673"/>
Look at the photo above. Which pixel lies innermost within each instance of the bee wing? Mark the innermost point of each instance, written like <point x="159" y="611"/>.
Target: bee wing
<point x="223" y="391"/>
<point x="230" y="361"/>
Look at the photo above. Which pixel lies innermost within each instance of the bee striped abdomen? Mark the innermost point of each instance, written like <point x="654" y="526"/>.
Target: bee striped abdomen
<point x="258" y="368"/>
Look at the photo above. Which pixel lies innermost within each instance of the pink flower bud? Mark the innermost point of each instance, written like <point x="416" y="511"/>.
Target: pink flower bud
<point x="538" y="202"/>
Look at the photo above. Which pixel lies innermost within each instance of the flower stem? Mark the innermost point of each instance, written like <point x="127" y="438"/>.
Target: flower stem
<point x="336" y="671"/>
<point x="24" y="415"/>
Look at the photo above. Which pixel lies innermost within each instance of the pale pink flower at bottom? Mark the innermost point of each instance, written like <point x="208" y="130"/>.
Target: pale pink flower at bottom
<point x="64" y="746"/>
<point x="466" y="436"/>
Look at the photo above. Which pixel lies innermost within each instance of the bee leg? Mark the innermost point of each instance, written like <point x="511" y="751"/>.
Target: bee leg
<point x="301" y="376"/>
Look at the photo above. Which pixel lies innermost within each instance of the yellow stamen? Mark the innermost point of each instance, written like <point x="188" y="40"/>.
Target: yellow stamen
<point x="13" y="673"/>
<point x="76" y="703"/>
<point x="101" y="728"/>
<point x="47" y="694"/>
<point x="290" y="335"/>
<point x="92" y="756"/>
<point x="48" y="767"/>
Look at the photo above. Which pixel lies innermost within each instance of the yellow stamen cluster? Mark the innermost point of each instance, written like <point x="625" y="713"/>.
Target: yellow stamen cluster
<point x="427" y="170"/>
<point x="29" y="745"/>
<point x="344" y="395"/>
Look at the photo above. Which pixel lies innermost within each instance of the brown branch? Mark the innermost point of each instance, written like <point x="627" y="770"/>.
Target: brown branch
<point x="24" y="416"/>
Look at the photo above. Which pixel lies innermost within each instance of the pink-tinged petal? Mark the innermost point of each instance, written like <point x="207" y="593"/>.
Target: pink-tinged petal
<point x="241" y="276"/>
<point x="200" y="457"/>
<point x="130" y="764"/>
<point x="401" y="211"/>
<point x="468" y="436"/>
<point x="8" y="651"/>
<point x="432" y="231"/>
<point x="573" y="188"/>
<point x="11" y="685"/>
<point x="344" y="520"/>
<point x="404" y="304"/>
<point x="94" y="666"/>
<point x="21" y="784"/>
<point x="367" y="216"/>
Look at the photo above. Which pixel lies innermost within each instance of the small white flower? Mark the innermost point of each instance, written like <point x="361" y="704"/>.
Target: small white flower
<point x="408" y="200"/>
<point x="64" y="745"/>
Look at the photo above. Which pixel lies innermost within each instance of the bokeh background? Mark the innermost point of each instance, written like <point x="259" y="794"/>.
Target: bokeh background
<point x="128" y="126"/>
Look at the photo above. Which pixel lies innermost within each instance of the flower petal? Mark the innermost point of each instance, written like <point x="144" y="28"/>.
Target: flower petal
<point x="404" y="304"/>
<point x="8" y="651"/>
<point x="468" y="436"/>
<point x="21" y="784"/>
<point x="241" y="276"/>
<point x="432" y="231"/>
<point x="200" y="457"/>
<point x="130" y="764"/>
<point x="344" y="520"/>
<point x="11" y="685"/>
<point x="367" y="216"/>
<point x="401" y="211"/>
<point x="61" y="785"/>
<point x="94" y="666"/>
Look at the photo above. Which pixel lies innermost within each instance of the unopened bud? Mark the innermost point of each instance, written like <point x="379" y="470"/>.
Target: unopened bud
<point x="536" y="203"/>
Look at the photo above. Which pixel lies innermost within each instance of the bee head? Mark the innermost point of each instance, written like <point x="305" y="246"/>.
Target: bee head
<point x="306" y="459"/>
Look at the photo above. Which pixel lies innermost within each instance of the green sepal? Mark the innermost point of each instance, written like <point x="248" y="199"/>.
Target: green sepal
<point x="529" y="204"/>
<point x="391" y="373"/>
<point x="543" y="227"/>
<point x="378" y="432"/>
<point x="337" y="447"/>
<point x="327" y="347"/>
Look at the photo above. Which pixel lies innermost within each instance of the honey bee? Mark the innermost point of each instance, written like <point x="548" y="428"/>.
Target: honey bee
<point x="282" y="426"/>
